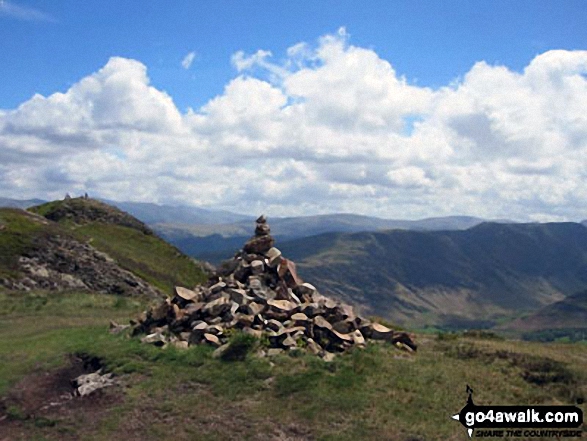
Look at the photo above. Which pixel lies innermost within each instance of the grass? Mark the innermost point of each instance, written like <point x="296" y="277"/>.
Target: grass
<point x="17" y="235"/>
<point x="376" y="393"/>
<point x="148" y="256"/>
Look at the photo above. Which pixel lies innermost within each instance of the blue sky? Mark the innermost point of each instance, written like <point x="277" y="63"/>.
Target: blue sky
<point x="430" y="42"/>
<point x="398" y="109"/>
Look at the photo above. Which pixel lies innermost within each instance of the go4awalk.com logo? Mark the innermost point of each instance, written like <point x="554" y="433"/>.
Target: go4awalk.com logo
<point x="520" y="421"/>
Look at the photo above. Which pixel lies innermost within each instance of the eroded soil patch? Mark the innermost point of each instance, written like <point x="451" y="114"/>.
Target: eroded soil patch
<point x="44" y="403"/>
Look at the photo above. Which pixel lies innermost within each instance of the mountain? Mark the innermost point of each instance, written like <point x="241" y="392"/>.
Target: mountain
<point x="163" y="214"/>
<point x="466" y="278"/>
<point x="569" y="313"/>
<point x="18" y="203"/>
<point x="88" y="245"/>
<point x="215" y="243"/>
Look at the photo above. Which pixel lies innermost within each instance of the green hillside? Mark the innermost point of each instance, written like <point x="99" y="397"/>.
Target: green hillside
<point x="564" y="319"/>
<point x="85" y="227"/>
<point x="465" y="278"/>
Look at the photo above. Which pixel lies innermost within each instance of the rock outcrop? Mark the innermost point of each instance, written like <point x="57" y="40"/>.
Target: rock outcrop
<point x="63" y="263"/>
<point x="259" y="292"/>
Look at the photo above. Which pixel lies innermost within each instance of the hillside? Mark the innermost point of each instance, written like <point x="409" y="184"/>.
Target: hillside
<point x="569" y="314"/>
<point x="85" y="244"/>
<point x="449" y="278"/>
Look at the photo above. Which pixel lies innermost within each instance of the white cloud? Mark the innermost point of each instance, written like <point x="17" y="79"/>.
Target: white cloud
<point x="187" y="61"/>
<point x="331" y="127"/>
<point x="10" y="9"/>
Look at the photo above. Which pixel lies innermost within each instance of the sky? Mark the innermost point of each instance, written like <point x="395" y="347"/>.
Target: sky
<point x="396" y="109"/>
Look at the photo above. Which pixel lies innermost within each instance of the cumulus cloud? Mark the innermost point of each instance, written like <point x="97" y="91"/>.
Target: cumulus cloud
<point x="187" y="61"/>
<point x="330" y="127"/>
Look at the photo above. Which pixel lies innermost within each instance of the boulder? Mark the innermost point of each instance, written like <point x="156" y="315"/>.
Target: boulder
<point x="180" y="344"/>
<point x="300" y="317"/>
<point x="273" y="325"/>
<point x="212" y="339"/>
<point x="161" y="311"/>
<point x="257" y="267"/>
<point x="217" y="287"/>
<point x="187" y="294"/>
<point x="217" y="307"/>
<point x="380" y="332"/>
<point x="239" y="296"/>
<point x="328" y="357"/>
<point x="281" y="305"/>
<point x="116" y="328"/>
<point x="405" y="340"/>
<point x="343" y="326"/>
<point x="306" y="289"/>
<point x="287" y="271"/>
<point x="314" y="347"/>
<point x="358" y="337"/>
<point x="89" y="383"/>
<point x="321" y="322"/>
<point x="271" y="352"/>
<point x="259" y="244"/>
<point x="156" y="338"/>
<point x="289" y="342"/>
<point x="193" y="308"/>
<point x="273" y="257"/>
<point x="262" y="230"/>
<point x="219" y="352"/>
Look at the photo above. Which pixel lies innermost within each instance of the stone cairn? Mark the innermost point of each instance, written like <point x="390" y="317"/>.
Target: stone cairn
<point x="259" y="292"/>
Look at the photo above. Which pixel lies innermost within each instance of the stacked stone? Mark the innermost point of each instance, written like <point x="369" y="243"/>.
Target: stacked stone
<point x="260" y="293"/>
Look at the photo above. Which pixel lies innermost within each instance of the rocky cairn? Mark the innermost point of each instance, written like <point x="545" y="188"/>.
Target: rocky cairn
<point x="259" y="292"/>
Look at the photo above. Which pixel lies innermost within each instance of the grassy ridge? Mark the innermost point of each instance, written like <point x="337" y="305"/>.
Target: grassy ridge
<point x="149" y="257"/>
<point x="131" y="244"/>
<point x="373" y="394"/>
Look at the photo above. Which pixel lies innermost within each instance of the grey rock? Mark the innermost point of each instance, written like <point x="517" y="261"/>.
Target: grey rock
<point x="257" y="267"/>
<point x="217" y="307"/>
<point x="89" y="383"/>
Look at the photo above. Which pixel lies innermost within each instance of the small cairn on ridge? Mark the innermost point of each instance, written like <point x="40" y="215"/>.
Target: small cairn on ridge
<point x="259" y="292"/>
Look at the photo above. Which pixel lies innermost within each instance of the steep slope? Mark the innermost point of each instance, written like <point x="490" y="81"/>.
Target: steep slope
<point x="82" y="243"/>
<point x="569" y="313"/>
<point x="450" y="278"/>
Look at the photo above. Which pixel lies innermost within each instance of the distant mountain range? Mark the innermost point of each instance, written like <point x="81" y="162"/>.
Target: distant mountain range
<point x="433" y="272"/>
<point x="20" y="203"/>
<point x="213" y="242"/>
<point x="467" y="278"/>
<point x="167" y="214"/>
